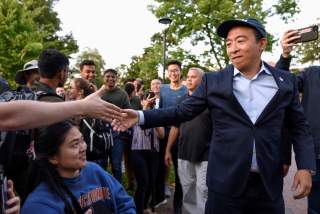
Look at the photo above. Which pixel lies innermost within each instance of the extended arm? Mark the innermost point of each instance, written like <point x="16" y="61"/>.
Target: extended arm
<point x="29" y="114"/>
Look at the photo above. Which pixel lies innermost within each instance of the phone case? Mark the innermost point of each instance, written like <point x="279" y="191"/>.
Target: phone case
<point x="308" y="34"/>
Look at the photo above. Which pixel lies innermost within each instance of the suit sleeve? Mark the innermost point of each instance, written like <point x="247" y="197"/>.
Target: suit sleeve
<point x="184" y="111"/>
<point x="299" y="132"/>
<point x="284" y="63"/>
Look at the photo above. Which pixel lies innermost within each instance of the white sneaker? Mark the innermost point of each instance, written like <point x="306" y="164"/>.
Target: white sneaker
<point x="161" y="203"/>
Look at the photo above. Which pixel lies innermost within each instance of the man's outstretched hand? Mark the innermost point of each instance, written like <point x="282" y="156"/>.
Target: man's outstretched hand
<point x="93" y="106"/>
<point x="129" y="118"/>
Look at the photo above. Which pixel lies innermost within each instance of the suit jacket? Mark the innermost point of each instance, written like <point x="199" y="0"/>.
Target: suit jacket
<point x="232" y="141"/>
<point x="309" y="85"/>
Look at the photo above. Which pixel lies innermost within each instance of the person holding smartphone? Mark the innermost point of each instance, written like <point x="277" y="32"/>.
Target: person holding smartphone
<point x="308" y="81"/>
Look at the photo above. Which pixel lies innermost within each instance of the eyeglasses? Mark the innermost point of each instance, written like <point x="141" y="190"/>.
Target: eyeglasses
<point x="174" y="71"/>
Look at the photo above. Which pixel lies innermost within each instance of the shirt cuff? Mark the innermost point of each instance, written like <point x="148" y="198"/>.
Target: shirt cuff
<point x="141" y="118"/>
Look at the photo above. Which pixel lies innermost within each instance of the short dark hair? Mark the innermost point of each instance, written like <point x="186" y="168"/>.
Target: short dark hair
<point x="174" y="62"/>
<point x="110" y="70"/>
<point x="129" y="88"/>
<point x="129" y="80"/>
<point x="50" y="62"/>
<point x="86" y="62"/>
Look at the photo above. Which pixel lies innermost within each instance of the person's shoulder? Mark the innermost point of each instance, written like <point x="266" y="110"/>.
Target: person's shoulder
<point x="312" y="69"/>
<point x="40" y="196"/>
<point x="214" y="76"/>
<point x="92" y="168"/>
<point x="183" y="97"/>
<point x="95" y="170"/>
<point x="184" y="88"/>
<point x="164" y="87"/>
<point x="120" y="91"/>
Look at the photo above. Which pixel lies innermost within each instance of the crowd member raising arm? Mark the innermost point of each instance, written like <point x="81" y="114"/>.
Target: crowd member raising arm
<point x="30" y="114"/>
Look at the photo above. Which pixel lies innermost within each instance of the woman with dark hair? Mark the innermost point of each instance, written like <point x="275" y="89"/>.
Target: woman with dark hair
<point x="96" y="133"/>
<point x="144" y="160"/>
<point x="80" y="88"/>
<point x="62" y="181"/>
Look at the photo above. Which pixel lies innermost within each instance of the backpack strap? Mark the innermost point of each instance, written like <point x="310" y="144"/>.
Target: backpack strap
<point x="92" y="131"/>
<point x="43" y="94"/>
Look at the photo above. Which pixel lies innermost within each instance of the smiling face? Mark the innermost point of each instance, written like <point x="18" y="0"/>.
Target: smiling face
<point x="71" y="156"/>
<point x="110" y="80"/>
<point x="88" y="72"/>
<point x="243" y="49"/>
<point x="73" y="91"/>
<point x="174" y="73"/>
<point x="155" y="86"/>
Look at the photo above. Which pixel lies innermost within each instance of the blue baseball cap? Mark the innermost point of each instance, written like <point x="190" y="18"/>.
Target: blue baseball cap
<point x="226" y="26"/>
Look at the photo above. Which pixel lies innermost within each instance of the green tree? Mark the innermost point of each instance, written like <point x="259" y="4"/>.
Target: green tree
<point x="197" y="20"/>
<point x="26" y="28"/>
<point x="49" y="24"/>
<point x="309" y="52"/>
<point x="20" y="40"/>
<point x="146" y="65"/>
<point x="92" y="54"/>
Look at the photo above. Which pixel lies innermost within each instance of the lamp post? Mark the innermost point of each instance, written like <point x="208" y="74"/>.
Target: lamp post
<point x="165" y="21"/>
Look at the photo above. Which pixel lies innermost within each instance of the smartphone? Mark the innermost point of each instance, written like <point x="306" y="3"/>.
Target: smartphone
<point x="149" y="94"/>
<point x="308" y="34"/>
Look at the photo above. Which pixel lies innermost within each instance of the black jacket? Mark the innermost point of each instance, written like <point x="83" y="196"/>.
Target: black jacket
<point x="309" y="85"/>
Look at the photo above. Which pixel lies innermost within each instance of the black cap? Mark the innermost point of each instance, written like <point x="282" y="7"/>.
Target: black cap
<point x="226" y="26"/>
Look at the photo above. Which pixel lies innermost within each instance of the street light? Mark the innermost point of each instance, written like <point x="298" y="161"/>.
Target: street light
<point x="165" y="21"/>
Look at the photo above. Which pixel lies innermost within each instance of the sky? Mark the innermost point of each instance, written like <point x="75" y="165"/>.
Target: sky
<point x="120" y="29"/>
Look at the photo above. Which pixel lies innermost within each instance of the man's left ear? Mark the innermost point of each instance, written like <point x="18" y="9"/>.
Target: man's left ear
<point x="264" y="43"/>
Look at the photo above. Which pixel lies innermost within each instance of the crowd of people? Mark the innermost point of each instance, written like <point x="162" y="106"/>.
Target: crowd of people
<point x="228" y="134"/>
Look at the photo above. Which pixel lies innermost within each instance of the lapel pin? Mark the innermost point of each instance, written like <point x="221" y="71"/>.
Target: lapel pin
<point x="281" y="79"/>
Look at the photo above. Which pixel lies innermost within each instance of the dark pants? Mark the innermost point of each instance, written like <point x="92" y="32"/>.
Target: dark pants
<point x="314" y="197"/>
<point x="254" y="200"/>
<point x="161" y="174"/>
<point x="178" y="194"/>
<point x="144" y="164"/>
<point x="116" y="158"/>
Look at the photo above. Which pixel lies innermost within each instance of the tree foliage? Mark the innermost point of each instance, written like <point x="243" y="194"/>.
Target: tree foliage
<point x="47" y="21"/>
<point x="309" y="52"/>
<point x="26" y="28"/>
<point x="197" y="20"/>
<point x="150" y="62"/>
<point x="19" y="39"/>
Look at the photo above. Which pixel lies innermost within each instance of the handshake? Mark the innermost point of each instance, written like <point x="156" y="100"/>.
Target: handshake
<point x="121" y="119"/>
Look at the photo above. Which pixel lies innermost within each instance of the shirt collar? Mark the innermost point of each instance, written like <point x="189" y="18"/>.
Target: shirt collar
<point x="263" y="69"/>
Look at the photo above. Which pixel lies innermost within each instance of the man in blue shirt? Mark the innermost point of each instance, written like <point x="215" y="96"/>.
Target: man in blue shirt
<point x="169" y="97"/>
<point x="249" y="102"/>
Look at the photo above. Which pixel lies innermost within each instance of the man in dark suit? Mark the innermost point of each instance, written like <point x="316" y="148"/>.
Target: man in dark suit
<point x="249" y="103"/>
<point x="308" y="81"/>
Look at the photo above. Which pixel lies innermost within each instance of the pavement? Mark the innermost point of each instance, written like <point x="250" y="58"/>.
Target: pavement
<point x="292" y="206"/>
